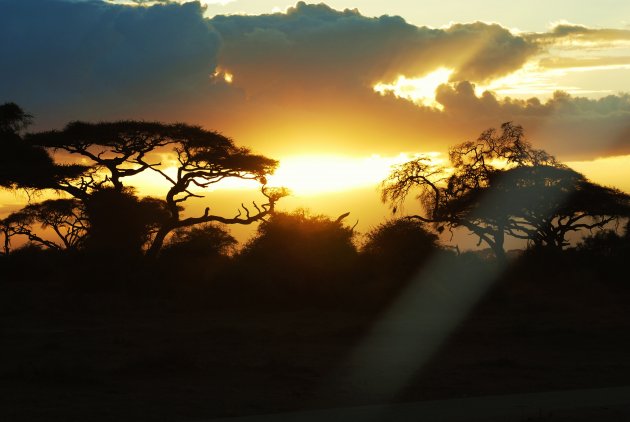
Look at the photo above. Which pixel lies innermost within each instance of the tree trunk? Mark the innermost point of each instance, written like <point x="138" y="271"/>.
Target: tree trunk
<point x="497" y="245"/>
<point x="7" y="242"/>
<point x="158" y="242"/>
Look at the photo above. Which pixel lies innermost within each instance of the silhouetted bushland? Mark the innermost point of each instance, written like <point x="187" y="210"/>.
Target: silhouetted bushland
<point x="199" y="251"/>
<point x="120" y="222"/>
<point x="29" y="263"/>
<point x="397" y="248"/>
<point x="298" y="253"/>
<point x="577" y="284"/>
<point x="606" y="243"/>
<point x="204" y="241"/>
<point x="607" y="250"/>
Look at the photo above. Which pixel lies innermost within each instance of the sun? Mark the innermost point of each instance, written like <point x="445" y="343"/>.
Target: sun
<point x="309" y="175"/>
<point x="305" y="175"/>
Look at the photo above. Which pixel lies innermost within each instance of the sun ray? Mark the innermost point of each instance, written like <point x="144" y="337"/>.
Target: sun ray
<point x="419" y="90"/>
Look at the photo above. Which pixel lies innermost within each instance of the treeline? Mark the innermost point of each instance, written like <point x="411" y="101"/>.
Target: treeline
<point x="102" y="233"/>
<point x="301" y="260"/>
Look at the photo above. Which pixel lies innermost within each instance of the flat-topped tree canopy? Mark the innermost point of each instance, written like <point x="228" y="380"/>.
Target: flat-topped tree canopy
<point x="24" y="165"/>
<point x="499" y="184"/>
<point x="129" y="137"/>
<point x="122" y="147"/>
<point x="185" y="156"/>
<point x="13" y="119"/>
<point x="30" y="167"/>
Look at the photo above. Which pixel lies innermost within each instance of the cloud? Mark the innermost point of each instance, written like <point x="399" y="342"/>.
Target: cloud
<point x="314" y="44"/>
<point x="68" y="55"/>
<point x="581" y="31"/>
<point x="302" y="80"/>
<point x="567" y="31"/>
<point x="570" y="127"/>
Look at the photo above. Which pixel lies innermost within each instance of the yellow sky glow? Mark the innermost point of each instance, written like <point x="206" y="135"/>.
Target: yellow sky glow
<point x="304" y="175"/>
<point x="609" y="171"/>
<point x="419" y="90"/>
<point x="316" y="174"/>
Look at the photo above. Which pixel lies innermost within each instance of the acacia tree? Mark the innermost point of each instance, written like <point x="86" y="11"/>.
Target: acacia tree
<point x="24" y="165"/>
<point x="499" y="184"/>
<point x="549" y="202"/>
<point x="92" y="162"/>
<point x="65" y="217"/>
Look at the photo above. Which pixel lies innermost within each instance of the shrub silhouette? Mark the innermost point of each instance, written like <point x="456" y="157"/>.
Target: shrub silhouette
<point x="203" y="241"/>
<point x="301" y="251"/>
<point x="398" y="246"/>
<point x="121" y="223"/>
<point x="604" y="243"/>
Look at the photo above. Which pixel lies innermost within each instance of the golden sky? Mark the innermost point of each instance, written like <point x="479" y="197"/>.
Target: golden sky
<point x="338" y="92"/>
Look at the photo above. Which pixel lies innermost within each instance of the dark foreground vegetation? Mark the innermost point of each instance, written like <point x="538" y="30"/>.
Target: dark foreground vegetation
<point x="120" y="307"/>
<point x="199" y="333"/>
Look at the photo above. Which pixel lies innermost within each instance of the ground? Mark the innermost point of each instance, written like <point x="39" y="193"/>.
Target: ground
<point x="114" y="354"/>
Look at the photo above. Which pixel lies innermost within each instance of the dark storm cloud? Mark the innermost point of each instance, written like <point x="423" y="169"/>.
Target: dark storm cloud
<point x="314" y="43"/>
<point x="570" y="127"/>
<point x="302" y="79"/>
<point x="62" y="55"/>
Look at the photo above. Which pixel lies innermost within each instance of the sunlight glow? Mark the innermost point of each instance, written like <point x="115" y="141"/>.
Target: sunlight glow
<point x="609" y="171"/>
<point x="419" y="90"/>
<point x="312" y="174"/>
<point x="304" y="175"/>
<point x="222" y="74"/>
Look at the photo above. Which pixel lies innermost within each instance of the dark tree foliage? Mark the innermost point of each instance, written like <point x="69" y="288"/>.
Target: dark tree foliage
<point x="300" y="249"/>
<point x="499" y="184"/>
<point x="23" y="165"/>
<point x="65" y="217"/>
<point x="200" y="254"/>
<point x="13" y="119"/>
<point x="93" y="163"/>
<point x="550" y="202"/>
<point x="120" y="222"/>
<point x="605" y="243"/>
<point x="205" y="241"/>
<point x="398" y="246"/>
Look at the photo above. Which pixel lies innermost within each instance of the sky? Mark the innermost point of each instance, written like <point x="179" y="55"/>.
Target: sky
<point x="340" y="91"/>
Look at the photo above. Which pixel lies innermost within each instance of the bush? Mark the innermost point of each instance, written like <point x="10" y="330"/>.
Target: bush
<point x="302" y="252"/>
<point x="398" y="247"/>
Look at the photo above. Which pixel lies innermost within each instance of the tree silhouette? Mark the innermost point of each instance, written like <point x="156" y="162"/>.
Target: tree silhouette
<point x="93" y="161"/>
<point x="550" y="202"/>
<point x="120" y="222"/>
<point x="499" y="184"/>
<point x="13" y="119"/>
<point x="398" y="246"/>
<point x="24" y="165"/>
<point x="65" y="217"/>
<point x="312" y="251"/>
<point x="198" y="252"/>
<point x="205" y="240"/>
